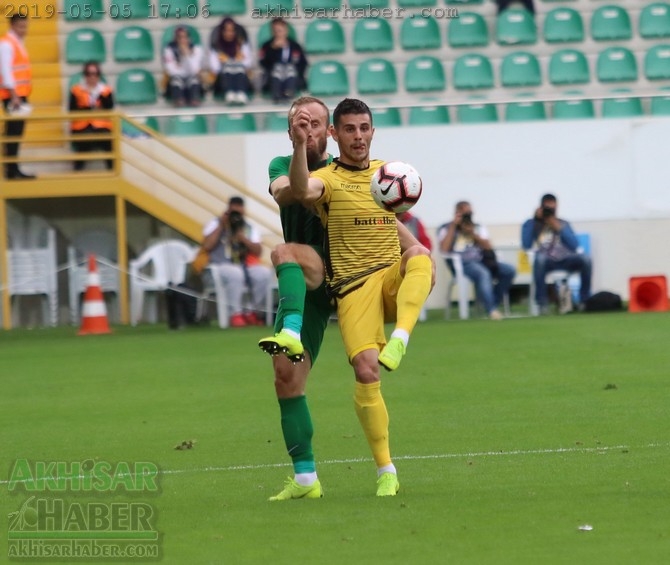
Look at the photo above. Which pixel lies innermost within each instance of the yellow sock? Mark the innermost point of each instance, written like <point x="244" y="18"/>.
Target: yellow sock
<point x="413" y="291"/>
<point x="374" y="419"/>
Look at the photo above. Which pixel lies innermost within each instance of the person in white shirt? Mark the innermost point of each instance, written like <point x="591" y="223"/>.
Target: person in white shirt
<point x="183" y="62"/>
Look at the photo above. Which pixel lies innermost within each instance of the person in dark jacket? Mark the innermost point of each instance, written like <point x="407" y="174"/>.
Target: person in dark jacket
<point x="283" y="62"/>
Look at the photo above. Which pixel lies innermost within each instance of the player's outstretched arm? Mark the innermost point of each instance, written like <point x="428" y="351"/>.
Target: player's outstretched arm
<point x="303" y="188"/>
<point x="407" y="241"/>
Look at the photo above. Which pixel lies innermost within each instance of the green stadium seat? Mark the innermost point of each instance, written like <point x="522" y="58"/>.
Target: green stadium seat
<point x="372" y="34"/>
<point x="657" y="63"/>
<point x="272" y="7"/>
<point x="468" y="30"/>
<point x="573" y="109"/>
<point x="168" y="34"/>
<point x="91" y="10"/>
<point x="186" y="125"/>
<point x="622" y="108"/>
<point x="520" y="68"/>
<point x="616" y="64"/>
<point x="324" y="36"/>
<point x="131" y="9"/>
<point x="568" y="66"/>
<point x="477" y="113"/>
<point x="428" y="115"/>
<point x="77" y="77"/>
<point x="515" y="26"/>
<point x="660" y="105"/>
<point x="473" y="71"/>
<point x="376" y="76"/>
<point x="420" y="33"/>
<point x="386" y="117"/>
<point x="563" y="25"/>
<point x="133" y="43"/>
<point x="424" y="74"/>
<point x="525" y="111"/>
<point x="85" y="44"/>
<point x="235" y="123"/>
<point x="136" y="86"/>
<point x="416" y="3"/>
<point x="655" y="21"/>
<point x="314" y="5"/>
<point x="327" y="78"/>
<point x="276" y="122"/>
<point x="130" y="130"/>
<point x="226" y="7"/>
<point x="178" y="9"/>
<point x="610" y="23"/>
<point x="265" y="33"/>
<point x="367" y="4"/>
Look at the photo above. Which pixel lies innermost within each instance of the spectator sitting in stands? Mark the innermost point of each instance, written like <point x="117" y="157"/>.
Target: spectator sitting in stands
<point x="504" y="4"/>
<point x="284" y="63"/>
<point x="230" y="59"/>
<point x="183" y="64"/>
<point x="417" y="229"/>
<point x="91" y="93"/>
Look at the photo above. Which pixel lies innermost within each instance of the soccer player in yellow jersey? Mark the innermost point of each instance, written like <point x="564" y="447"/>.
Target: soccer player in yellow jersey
<point x="371" y="282"/>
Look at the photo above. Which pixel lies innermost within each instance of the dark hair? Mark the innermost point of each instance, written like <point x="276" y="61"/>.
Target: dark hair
<point x="15" y="17"/>
<point x="350" y="106"/>
<point x="173" y="44"/>
<point x="236" y="201"/>
<point x="279" y="20"/>
<point x="230" y="48"/>
<point x="303" y="101"/>
<point x="548" y="198"/>
<point x="94" y="64"/>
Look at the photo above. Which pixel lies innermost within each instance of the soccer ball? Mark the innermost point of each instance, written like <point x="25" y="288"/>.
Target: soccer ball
<point x="396" y="186"/>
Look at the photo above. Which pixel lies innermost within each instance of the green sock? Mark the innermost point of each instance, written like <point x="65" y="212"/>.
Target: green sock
<point x="292" y="289"/>
<point x="296" y="425"/>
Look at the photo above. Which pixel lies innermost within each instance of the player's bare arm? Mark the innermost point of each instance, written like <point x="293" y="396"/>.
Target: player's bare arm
<point x="410" y="246"/>
<point x="303" y="188"/>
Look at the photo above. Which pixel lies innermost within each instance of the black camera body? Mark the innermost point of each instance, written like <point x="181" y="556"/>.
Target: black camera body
<point x="466" y="219"/>
<point x="236" y="221"/>
<point x="547" y="212"/>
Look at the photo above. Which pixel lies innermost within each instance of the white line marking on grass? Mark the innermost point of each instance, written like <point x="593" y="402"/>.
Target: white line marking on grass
<point x="515" y="452"/>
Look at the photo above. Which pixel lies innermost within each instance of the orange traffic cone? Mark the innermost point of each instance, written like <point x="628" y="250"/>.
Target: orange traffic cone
<point x="94" y="314"/>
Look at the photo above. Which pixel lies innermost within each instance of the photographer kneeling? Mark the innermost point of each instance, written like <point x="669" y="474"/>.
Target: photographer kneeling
<point x="234" y="248"/>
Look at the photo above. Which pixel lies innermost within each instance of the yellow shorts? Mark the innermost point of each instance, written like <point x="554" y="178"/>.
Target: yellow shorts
<point x="363" y="312"/>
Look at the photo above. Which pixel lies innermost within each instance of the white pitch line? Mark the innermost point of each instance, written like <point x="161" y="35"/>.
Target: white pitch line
<point x="522" y="452"/>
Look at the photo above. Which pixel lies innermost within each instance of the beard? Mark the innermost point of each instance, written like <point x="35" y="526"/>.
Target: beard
<point x="315" y="154"/>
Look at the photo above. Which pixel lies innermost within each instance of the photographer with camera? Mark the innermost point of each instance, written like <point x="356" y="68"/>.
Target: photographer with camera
<point x="234" y="248"/>
<point x="556" y="249"/>
<point x="492" y="279"/>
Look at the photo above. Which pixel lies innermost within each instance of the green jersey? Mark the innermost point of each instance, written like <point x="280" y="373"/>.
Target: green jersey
<point x="299" y="224"/>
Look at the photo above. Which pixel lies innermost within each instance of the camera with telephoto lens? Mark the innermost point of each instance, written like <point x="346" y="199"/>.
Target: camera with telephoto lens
<point x="547" y="212"/>
<point x="466" y="218"/>
<point x="236" y="221"/>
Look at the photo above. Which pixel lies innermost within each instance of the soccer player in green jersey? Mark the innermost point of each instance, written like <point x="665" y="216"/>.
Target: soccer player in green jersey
<point x="371" y="279"/>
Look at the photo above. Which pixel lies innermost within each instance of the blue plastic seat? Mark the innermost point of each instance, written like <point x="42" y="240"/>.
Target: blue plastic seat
<point x="520" y="69"/>
<point x="423" y="74"/>
<point x="616" y="64"/>
<point x="568" y="66"/>
<point x="473" y="71"/>
<point x="657" y="63"/>
<point x="327" y="78"/>
<point x="420" y="33"/>
<point x="611" y="23"/>
<point x="133" y="43"/>
<point x="372" y="34"/>
<point x="563" y="25"/>
<point x="85" y="44"/>
<point x="655" y="21"/>
<point x="324" y="36"/>
<point x="136" y="86"/>
<point x="468" y="30"/>
<point x="376" y="76"/>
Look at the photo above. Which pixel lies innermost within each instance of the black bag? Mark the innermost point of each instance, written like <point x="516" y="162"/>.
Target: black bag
<point x="603" y="301"/>
<point x="182" y="307"/>
<point x="490" y="261"/>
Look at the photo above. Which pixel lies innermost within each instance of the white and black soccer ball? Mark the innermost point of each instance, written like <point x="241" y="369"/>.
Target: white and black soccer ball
<point x="396" y="186"/>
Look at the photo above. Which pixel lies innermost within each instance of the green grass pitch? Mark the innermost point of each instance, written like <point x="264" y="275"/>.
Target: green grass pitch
<point x="507" y="438"/>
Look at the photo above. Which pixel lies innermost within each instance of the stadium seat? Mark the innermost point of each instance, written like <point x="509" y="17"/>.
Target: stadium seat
<point x="76" y="77"/>
<point x="655" y="21"/>
<point x="366" y="4"/>
<point x="468" y="30"/>
<point x="660" y="105"/>
<point x="420" y="33"/>
<point x="473" y="71"/>
<point x="515" y="26"/>
<point x="372" y="34"/>
<point x="85" y="44"/>
<point x="265" y="32"/>
<point x="226" y="7"/>
<point x="273" y="7"/>
<point x="130" y="9"/>
<point x="657" y="63"/>
<point x="477" y="113"/>
<point x="136" y="86"/>
<point x="324" y="36"/>
<point x="130" y="130"/>
<point x="563" y="25"/>
<point x="423" y="74"/>
<point x="616" y="64"/>
<point x="525" y="111"/>
<point x="568" y="66"/>
<point x="235" y="123"/>
<point x="428" y="115"/>
<point x="178" y="9"/>
<point x="276" y="122"/>
<point x="376" y="76"/>
<point x="610" y="23"/>
<point x="186" y="125"/>
<point x="168" y="34"/>
<point x="520" y="69"/>
<point x="416" y="3"/>
<point x="622" y="108"/>
<point x="573" y="109"/>
<point x="91" y="10"/>
<point x="386" y="117"/>
<point x="328" y="78"/>
<point x="133" y="43"/>
<point x="319" y="4"/>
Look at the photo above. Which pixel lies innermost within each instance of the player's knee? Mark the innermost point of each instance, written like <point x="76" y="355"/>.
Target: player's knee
<point x="282" y="253"/>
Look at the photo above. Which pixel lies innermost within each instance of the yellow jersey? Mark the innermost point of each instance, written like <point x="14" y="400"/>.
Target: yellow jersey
<point x="361" y="238"/>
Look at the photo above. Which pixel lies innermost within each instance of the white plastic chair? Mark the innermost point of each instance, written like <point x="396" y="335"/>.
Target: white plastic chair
<point x="160" y="265"/>
<point x="32" y="271"/>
